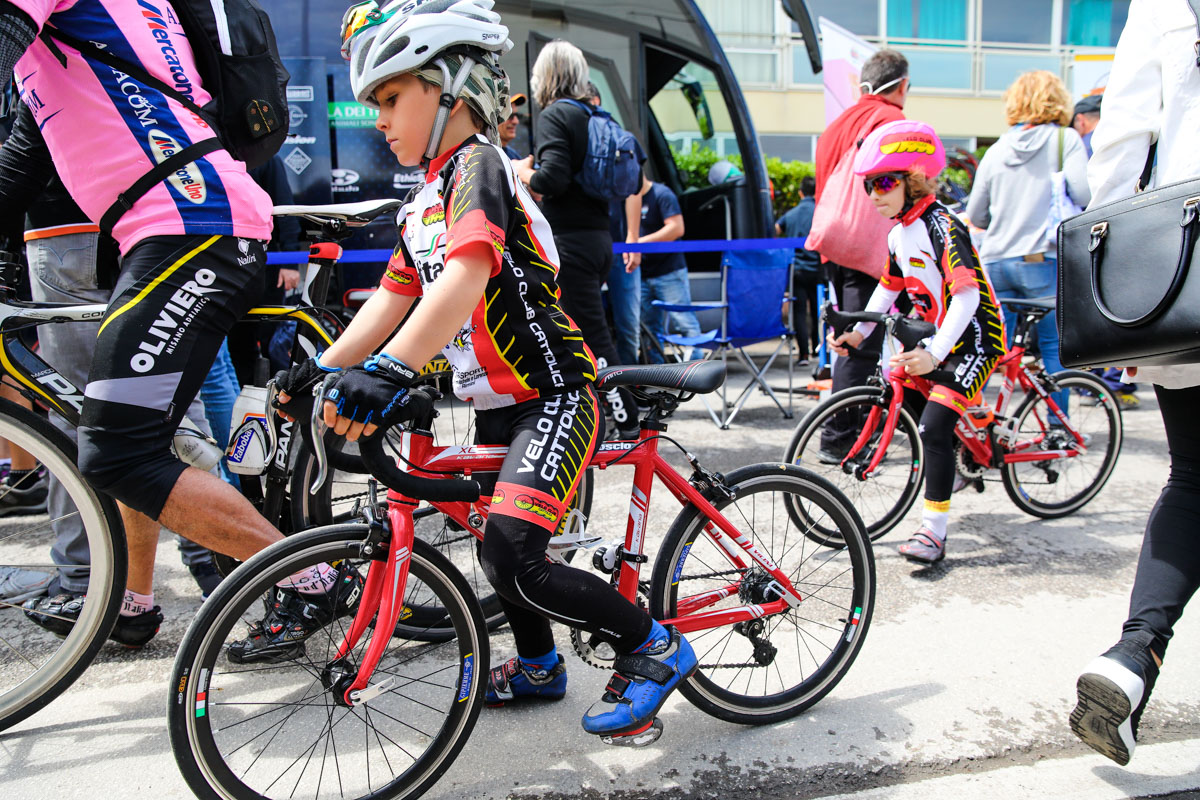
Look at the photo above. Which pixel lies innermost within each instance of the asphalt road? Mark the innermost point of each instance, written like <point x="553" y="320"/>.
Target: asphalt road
<point x="962" y="689"/>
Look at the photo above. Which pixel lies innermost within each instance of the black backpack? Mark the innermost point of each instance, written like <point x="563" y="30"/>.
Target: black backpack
<point x="239" y="64"/>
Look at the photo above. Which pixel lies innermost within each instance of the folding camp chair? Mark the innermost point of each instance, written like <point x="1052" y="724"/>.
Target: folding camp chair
<point x="753" y="286"/>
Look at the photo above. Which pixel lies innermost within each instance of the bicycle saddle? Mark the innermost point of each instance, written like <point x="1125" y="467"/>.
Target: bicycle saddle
<point x="354" y="215"/>
<point x="1036" y="307"/>
<point x="698" y="377"/>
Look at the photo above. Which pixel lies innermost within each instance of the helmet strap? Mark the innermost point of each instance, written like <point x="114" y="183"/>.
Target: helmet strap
<point x="445" y="104"/>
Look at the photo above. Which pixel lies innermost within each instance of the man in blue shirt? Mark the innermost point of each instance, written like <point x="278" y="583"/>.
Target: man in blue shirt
<point x="664" y="275"/>
<point x="806" y="271"/>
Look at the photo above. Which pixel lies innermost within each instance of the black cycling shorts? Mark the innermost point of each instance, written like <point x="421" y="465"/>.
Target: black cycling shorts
<point x="175" y="299"/>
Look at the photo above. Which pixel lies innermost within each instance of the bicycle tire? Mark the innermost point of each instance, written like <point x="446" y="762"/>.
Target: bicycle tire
<point x="458" y="545"/>
<point x="215" y="703"/>
<point x="831" y="616"/>
<point x="886" y="496"/>
<point x="60" y="661"/>
<point x="1083" y="476"/>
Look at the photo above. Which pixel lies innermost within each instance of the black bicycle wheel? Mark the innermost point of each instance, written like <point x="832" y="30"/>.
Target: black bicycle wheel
<point x="335" y="499"/>
<point x="35" y="665"/>
<point x="275" y="729"/>
<point x="1058" y="487"/>
<point x="824" y="437"/>
<point x="772" y="668"/>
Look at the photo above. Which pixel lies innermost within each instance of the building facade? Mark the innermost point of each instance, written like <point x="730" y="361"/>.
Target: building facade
<point x="962" y="55"/>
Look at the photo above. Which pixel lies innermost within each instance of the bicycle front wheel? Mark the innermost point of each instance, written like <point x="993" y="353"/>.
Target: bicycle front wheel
<point x="276" y="730"/>
<point x="36" y="665"/>
<point x="825" y="436"/>
<point x="773" y="668"/>
<point x="1057" y="487"/>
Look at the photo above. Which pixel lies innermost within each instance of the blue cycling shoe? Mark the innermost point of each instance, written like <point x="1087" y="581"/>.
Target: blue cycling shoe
<point x="625" y="715"/>
<point x="514" y="681"/>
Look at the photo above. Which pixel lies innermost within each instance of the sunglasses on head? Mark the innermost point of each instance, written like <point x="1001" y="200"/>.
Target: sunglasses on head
<point x="882" y="183"/>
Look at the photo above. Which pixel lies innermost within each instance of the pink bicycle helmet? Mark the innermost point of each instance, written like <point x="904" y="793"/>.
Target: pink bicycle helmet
<point x="899" y="147"/>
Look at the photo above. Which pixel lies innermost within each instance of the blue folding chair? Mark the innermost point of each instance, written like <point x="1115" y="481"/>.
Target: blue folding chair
<point x="754" y="284"/>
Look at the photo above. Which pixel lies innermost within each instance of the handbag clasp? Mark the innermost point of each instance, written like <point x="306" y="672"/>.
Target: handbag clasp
<point x="1189" y="211"/>
<point x="1099" y="231"/>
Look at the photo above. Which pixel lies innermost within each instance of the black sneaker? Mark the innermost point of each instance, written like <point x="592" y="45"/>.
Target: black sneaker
<point x="1112" y="693"/>
<point x="292" y="617"/>
<point x="206" y="577"/>
<point x="25" y="494"/>
<point x="58" y="614"/>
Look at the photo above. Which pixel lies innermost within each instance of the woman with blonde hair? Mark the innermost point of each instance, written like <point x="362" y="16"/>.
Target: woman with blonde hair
<point x="559" y="84"/>
<point x="1011" y="195"/>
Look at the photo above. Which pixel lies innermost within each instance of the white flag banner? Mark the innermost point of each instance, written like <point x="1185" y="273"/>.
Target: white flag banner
<point x="844" y="55"/>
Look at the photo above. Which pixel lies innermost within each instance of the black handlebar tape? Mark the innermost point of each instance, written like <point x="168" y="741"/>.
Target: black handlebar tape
<point x="383" y="467"/>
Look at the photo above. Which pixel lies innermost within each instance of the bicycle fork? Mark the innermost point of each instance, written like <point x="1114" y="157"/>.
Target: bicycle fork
<point x="389" y="545"/>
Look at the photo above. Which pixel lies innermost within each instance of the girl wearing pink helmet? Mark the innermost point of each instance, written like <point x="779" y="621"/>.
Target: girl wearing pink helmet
<point x="932" y="261"/>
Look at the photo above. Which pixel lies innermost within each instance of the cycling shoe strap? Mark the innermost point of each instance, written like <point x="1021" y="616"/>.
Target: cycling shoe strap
<point x="644" y="667"/>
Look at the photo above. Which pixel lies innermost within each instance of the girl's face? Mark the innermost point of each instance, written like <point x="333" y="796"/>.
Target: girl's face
<point x="886" y="191"/>
<point x="407" y="108"/>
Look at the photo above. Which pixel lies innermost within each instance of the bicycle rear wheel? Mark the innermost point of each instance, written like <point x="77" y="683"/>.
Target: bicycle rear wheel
<point x="823" y="439"/>
<point x="773" y="668"/>
<point x="275" y="729"/>
<point x="1058" y="487"/>
<point x="35" y="665"/>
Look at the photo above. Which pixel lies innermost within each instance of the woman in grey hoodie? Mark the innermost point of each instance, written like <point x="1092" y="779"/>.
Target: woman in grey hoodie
<point x="1011" y="195"/>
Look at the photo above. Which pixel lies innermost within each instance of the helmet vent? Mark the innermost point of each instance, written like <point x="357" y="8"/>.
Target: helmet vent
<point x="421" y="50"/>
<point x="392" y="50"/>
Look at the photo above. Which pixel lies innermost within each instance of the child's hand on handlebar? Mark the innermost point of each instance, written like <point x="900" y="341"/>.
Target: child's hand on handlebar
<point x="914" y="362"/>
<point x="839" y="344"/>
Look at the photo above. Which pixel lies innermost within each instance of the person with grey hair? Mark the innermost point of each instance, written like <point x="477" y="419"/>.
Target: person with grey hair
<point x="884" y="84"/>
<point x="559" y="84"/>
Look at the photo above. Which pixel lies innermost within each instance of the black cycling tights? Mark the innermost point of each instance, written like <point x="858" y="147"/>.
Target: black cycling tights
<point x="937" y="435"/>
<point x="1168" y="570"/>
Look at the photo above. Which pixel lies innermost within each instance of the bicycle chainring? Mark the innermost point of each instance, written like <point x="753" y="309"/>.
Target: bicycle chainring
<point x="965" y="463"/>
<point x="599" y="655"/>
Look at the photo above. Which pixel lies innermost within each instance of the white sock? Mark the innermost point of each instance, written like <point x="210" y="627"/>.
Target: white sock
<point x="311" y="580"/>
<point x="135" y="603"/>
<point x="935" y="517"/>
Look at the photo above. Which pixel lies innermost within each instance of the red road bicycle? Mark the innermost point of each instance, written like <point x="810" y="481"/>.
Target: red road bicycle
<point x="775" y="619"/>
<point x="1054" y="453"/>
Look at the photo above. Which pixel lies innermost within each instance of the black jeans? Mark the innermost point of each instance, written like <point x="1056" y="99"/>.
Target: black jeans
<point x="853" y="290"/>
<point x="585" y="257"/>
<point x="1168" y="570"/>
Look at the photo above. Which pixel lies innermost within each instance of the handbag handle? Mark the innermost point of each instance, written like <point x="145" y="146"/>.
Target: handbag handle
<point x="1187" y="245"/>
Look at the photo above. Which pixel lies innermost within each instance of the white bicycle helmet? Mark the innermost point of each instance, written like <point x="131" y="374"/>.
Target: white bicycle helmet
<point x="462" y="39"/>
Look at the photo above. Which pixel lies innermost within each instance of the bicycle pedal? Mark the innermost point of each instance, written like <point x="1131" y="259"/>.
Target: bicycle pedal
<point x="979" y="487"/>
<point x="640" y="738"/>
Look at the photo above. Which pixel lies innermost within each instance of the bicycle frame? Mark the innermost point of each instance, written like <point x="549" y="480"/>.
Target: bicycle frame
<point x="976" y="440"/>
<point x="385" y="583"/>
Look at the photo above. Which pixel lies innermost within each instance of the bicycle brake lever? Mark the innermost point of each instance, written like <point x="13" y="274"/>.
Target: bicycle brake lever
<point x="273" y="418"/>
<point x="317" y="427"/>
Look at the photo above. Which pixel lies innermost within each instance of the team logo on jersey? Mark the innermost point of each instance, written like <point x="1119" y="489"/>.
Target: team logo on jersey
<point x="462" y="342"/>
<point x="434" y="214"/>
<point x="156" y="21"/>
<point x="498" y="497"/>
<point x="916" y="263"/>
<point x="186" y="180"/>
<point x="907" y="142"/>
<point x="402" y="278"/>
<point x="534" y="505"/>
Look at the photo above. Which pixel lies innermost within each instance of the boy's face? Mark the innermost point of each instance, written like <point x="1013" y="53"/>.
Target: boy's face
<point x="407" y="108"/>
<point x="887" y="193"/>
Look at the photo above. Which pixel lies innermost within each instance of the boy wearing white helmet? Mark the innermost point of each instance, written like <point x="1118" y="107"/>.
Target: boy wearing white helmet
<point x="475" y="246"/>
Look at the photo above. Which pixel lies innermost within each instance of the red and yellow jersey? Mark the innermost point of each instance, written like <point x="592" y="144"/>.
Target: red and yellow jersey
<point x="931" y="259"/>
<point x="518" y="344"/>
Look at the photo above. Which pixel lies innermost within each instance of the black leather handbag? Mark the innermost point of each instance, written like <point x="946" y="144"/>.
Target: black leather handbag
<point x="1128" y="281"/>
<point x="1128" y="284"/>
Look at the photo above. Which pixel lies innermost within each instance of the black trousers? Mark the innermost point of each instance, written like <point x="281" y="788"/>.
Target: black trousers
<point x="805" y="311"/>
<point x="1168" y="570"/>
<point x="853" y="289"/>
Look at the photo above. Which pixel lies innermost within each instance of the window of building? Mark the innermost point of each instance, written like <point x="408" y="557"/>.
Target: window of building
<point x="788" y="146"/>
<point x="927" y="19"/>
<point x="1093" y="23"/>
<point x="747" y="21"/>
<point x="1017" y="21"/>
<point x="939" y="69"/>
<point x="856" y="16"/>
<point x="751" y="67"/>
<point x="1001" y="69"/>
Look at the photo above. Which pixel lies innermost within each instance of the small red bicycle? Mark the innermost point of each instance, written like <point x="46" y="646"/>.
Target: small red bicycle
<point x="775" y="615"/>
<point x="1054" y="453"/>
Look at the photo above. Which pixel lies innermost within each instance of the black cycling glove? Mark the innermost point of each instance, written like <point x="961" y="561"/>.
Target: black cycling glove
<point x="374" y="392"/>
<point x="297" y="382"/>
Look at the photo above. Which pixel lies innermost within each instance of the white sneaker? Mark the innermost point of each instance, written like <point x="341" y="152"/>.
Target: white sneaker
<point x="18" y="585"/>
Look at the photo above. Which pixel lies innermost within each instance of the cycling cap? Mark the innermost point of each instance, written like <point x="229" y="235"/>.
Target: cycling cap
<point x="901" y="146"/>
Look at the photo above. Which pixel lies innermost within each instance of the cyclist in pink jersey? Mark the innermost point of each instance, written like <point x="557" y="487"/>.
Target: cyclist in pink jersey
<point x="192" y="248"/>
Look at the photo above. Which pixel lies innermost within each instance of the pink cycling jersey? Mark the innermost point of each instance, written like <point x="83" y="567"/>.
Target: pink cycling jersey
<point x="105" y="129"/>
